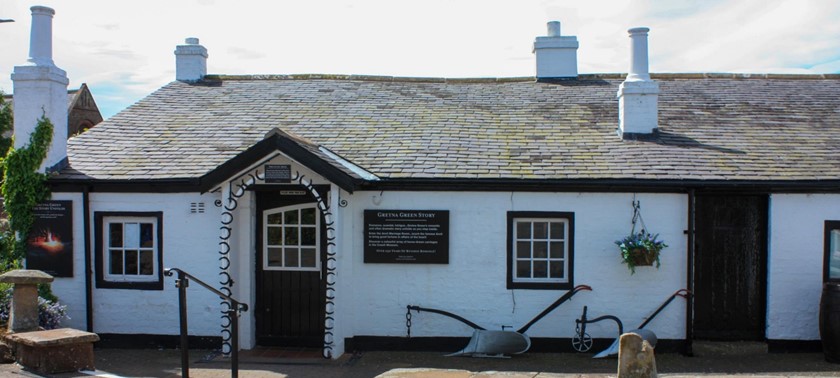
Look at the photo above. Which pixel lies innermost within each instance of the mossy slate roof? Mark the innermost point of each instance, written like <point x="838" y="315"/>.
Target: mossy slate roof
<point x="711" y="127"/>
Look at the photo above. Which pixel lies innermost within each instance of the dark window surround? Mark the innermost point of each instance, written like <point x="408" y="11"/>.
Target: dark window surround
<point x="99" y="233"/>
<point x="511" y="215"/>
<point x="829" y="225"/>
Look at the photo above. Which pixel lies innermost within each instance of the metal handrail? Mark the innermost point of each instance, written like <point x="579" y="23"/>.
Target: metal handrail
<point x="235" y="307"/>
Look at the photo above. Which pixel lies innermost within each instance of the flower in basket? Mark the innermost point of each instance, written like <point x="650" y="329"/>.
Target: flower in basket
<point x="640" y="248"/>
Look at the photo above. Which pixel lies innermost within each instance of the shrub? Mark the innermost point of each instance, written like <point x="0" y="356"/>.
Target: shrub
<point x="50" y="313"/>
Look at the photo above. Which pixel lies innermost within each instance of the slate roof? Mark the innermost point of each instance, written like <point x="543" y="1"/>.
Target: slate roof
<point x="717" y="127"/>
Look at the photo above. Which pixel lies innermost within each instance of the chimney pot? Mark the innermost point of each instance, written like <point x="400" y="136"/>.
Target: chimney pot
<point x="556" y="55"/>
<point x="191" y="41"/>
<point x="638" y="54"/>
<point x="554" y="28"/>
<point x="40" y="36"/>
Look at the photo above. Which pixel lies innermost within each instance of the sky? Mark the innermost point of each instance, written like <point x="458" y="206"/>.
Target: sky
<point x="123" y="50"/>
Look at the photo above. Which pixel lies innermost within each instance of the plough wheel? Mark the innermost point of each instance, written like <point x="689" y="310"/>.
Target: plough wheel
<point x="582" y="344"/>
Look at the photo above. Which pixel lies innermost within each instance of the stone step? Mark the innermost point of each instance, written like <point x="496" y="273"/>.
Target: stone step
<point x="728" y="348"/>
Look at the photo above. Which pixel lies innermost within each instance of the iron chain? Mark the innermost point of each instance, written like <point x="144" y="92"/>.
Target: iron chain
<point x="408" y="322"/>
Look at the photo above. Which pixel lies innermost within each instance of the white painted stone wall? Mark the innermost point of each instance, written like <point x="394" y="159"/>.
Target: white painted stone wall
<point x="371" y="298"/>
<point x="71" y="290"/>
<point x="795" y="271"/>
<point x="190" y="242"/>
<point x="473" y="284"/>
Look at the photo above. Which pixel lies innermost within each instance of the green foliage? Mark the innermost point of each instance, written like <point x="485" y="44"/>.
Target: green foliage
<point x="5" y="126"/>
<point x="23" y="187"/>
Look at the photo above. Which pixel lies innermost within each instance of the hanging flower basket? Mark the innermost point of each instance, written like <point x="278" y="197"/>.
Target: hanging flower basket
<point x="640" y="249"/>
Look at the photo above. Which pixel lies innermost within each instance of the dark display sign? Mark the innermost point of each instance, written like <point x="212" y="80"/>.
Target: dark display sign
<point x="49" y="247"/>
<point x="407" y="236"/>
<point x="278" y="173"/>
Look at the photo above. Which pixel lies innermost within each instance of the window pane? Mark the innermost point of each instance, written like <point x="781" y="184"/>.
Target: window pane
<point x="557" y="250"/>
<point x="291" y="217"/>
<point x="523" y="269"/>
<point x="131" y="262"/>
<point x="540" y="230"/>
<point x="290" y="258"/>
<point x="116" y="262"/>
<point x="147" y="238"/>
<point x="307" y="236"/>
<point x="275" y="219"/>
<point x="307" y="216"/>
<point x="275" y="257"/>
<point x="523" y="250"/>
<point x="558" y="230"/>
<point x="132" y="235"/>
<point x="523" y="230"/>
<point x="834" y="257"/>
<point x="557" y="269"/>
<point x="147" y="266"/>
<point x="540" y="249"/>
<point x="540" y="269"/>
<point x="307" y="257"/>
<point x="290" y="236"/>
<point x="275" y="235"/>
<point x="115" y="235"/>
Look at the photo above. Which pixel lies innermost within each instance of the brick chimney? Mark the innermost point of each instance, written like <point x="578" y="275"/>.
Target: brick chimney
<point x="638" y="94"/>
<point x="40" y="88"/>
<point x="556" y="55"/>
<point x="190" y="61"/>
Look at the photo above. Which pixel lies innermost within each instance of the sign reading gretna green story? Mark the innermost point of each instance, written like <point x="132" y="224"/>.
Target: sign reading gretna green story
<point x="407" y="236"/>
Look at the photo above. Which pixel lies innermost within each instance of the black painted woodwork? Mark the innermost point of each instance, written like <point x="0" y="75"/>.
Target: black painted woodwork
<point x="730" y="276"/>
<point x="289" y="308"/>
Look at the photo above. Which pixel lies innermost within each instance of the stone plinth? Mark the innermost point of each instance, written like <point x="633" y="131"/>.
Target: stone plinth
<point x="23" y="316"/>
<point x="54" y="351"/>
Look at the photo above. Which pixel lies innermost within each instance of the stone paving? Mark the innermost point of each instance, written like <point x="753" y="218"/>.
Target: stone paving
<point x="113" y="363"/>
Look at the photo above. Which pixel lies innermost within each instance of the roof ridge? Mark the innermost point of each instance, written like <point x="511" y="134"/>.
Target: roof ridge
<point x="470" y="80"/>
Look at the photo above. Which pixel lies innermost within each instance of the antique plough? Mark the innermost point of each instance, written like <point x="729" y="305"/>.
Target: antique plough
<point x="496" y="343"/>
<point x="582" y="342"/>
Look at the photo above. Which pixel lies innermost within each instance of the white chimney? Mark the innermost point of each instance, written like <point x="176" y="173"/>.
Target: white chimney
<point x="40" y="89"/>
<point x="190" y="61"/>
<point x="556" y="54"/>
<point x="638" y="94"/>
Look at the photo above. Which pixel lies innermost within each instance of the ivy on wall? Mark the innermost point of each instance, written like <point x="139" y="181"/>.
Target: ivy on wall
<point x="23" y="187"/>
<point x="5" y="126"/>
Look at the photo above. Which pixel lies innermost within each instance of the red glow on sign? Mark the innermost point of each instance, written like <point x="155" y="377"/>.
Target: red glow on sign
<point x="48" y="242"/>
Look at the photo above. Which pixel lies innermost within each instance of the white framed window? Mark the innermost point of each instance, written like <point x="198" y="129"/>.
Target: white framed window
<point x="292" y="238"/>
<point x="129" y="250"/>
<point x="540" y="251"/>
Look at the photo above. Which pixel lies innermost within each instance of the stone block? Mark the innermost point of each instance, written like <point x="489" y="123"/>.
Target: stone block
<point x="24" y="308"/>
<point x="25" y="277"/>
<point x="635" y="357"/>
<point x="54" y="351"/>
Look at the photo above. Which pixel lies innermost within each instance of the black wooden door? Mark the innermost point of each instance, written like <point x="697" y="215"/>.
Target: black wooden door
<point x="730" y="267"/>
<point x="290" y="244"/>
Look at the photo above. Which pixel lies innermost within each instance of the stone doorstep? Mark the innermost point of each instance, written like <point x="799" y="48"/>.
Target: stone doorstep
<point x="53" y="337"/>
<point x="54" y="351"/>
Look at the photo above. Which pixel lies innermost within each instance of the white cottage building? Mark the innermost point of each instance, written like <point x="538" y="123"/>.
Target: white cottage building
<point x="329" y="203"/>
